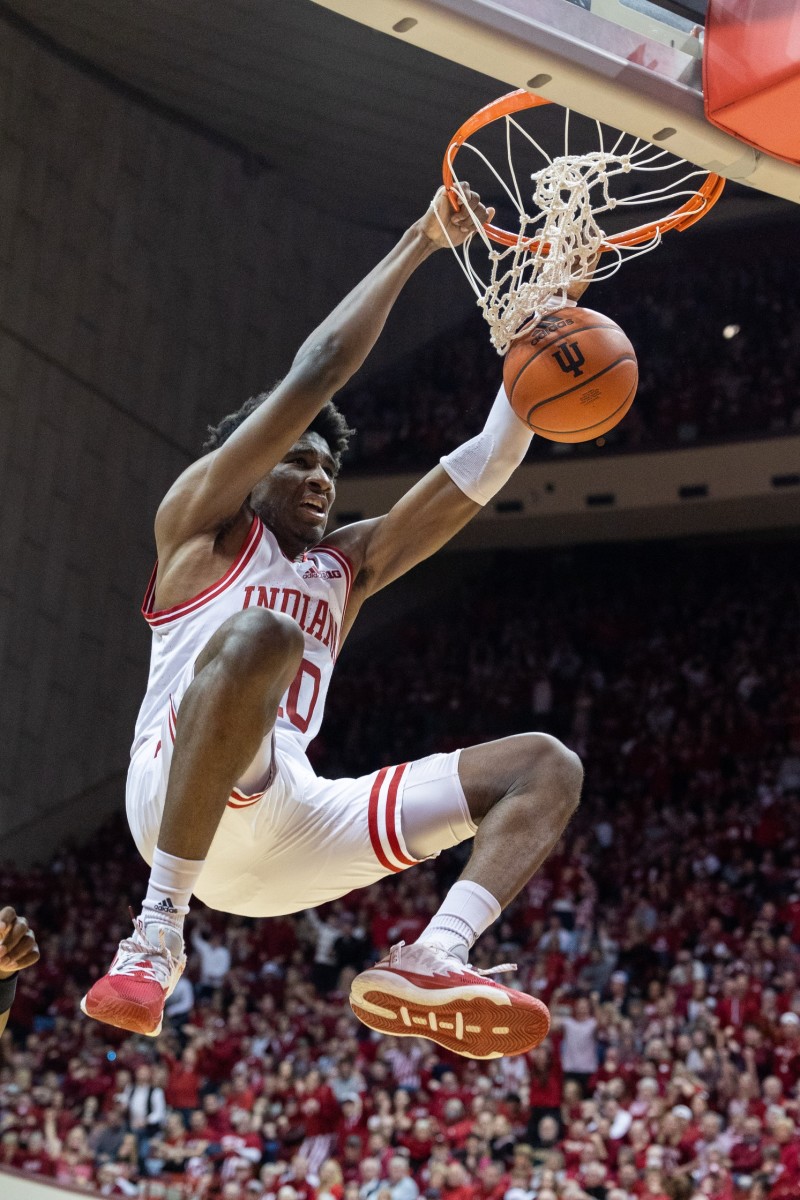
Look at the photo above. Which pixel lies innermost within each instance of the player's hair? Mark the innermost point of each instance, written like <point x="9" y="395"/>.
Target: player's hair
<point x="329" y="423"/>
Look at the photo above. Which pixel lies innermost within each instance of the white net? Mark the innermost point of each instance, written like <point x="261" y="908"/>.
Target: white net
<point x="560" y="238"/>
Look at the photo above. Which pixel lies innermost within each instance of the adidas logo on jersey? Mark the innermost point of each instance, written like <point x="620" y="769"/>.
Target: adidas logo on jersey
<point x="313" y="573"/>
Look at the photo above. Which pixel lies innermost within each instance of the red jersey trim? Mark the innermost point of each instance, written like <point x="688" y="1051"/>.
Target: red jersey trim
<point x="165" y="615"/>
<point x="346" y="565"/>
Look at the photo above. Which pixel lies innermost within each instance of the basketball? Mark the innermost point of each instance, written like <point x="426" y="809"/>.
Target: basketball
<point x="573" y="377"/>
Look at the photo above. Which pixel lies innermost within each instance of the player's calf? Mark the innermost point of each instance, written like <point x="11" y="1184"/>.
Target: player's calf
<point x="222" y="720"/>
<point x="521" y="792"/>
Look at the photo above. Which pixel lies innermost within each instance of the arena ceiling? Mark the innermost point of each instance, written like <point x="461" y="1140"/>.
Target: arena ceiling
<point x="356" y="118"/>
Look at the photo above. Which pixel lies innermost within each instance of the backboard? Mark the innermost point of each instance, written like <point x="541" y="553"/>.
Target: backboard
<point x="631" y="64"/>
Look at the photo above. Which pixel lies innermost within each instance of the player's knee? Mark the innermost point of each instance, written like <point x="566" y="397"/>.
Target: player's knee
<point x="261" y="642"/>
<point x="546" y="759"/>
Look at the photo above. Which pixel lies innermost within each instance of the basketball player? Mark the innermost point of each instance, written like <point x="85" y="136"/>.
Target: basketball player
<point x="249" y="605"/>
<point x="18" y="950"/>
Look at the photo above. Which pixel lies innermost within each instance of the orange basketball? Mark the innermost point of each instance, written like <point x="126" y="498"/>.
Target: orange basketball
<point x="573" y="376"/>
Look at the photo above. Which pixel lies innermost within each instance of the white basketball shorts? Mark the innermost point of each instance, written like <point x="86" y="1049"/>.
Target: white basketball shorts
<point x="290" y="840"/>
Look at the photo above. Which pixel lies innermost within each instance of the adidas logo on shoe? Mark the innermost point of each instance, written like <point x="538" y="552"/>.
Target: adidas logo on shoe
<point x="165" y="906"/>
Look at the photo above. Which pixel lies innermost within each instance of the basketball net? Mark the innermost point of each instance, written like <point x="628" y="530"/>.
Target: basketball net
<point x="560" y="243"/>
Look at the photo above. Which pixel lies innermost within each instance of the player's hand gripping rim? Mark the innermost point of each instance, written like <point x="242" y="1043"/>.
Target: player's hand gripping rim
<point x="446" y="226"/>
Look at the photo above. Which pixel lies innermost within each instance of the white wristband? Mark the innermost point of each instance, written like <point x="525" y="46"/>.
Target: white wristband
<point x="558" y="301"/>
<point x="486" y="462"/>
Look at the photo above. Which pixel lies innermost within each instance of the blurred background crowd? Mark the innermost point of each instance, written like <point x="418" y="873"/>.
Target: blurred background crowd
<point x="664" y="932"/>
<point x="717" y="358"/>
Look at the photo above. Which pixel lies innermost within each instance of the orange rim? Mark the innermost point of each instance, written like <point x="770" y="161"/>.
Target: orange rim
<point x="690" y="211"/>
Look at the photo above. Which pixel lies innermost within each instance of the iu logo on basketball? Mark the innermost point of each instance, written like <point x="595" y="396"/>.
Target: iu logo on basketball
<point x="569" y="358"/>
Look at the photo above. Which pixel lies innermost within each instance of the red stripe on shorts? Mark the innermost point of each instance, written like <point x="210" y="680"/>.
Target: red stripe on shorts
<point x="372" y="818"/>
<point x="240" y="800"/>
<point x="391" y="830"/>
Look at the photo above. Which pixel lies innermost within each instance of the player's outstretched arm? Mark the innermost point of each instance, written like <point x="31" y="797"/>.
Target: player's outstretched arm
<point x="18" y="950"/>
<point x="213" y="490"/>
<point x="437" y="507"/>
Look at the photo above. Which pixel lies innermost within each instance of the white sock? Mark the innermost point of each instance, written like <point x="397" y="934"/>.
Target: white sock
<point x="468" y="909"/>
<point x="169" y="891"/>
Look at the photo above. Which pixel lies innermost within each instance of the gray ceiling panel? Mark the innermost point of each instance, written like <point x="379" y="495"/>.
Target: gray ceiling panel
<point x="315" y="95"/>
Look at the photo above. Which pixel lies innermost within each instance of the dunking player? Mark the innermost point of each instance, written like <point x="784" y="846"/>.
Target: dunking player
<point x="249" y="607"/>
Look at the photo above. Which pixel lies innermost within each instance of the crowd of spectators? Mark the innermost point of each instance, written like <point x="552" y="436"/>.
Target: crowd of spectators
<point x="718" y="360"/>
<point x="664" y="931"/>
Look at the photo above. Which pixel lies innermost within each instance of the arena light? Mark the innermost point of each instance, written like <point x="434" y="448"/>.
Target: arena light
<point x="730" y="331"/>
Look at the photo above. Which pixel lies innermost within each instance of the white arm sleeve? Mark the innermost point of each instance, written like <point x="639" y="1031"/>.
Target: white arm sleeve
<point x="485" y="463"/>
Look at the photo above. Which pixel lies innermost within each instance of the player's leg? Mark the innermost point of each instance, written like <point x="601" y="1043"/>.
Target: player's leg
<point x="228" y="709"/>
<point x="515" y="796"/>
<point x="521" y="791"/>
<point x="224" y="716"/>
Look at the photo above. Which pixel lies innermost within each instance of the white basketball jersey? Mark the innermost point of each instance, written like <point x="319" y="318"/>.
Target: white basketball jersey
<point x="313" y="591"/>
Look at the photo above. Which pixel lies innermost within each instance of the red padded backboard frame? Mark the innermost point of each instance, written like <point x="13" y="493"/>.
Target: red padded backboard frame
<point x="751" y="73"/>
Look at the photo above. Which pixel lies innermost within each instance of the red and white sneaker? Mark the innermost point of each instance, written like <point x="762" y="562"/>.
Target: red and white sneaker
<point x="421" y="991"/>
<point x="141" y="977"/>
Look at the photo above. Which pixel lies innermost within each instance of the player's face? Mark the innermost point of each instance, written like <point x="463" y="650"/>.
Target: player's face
<point x="295" y="499"/>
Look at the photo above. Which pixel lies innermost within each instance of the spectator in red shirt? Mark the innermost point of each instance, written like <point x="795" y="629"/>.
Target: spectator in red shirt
<point x="320" y="1116"/>
<point x="184" y="1082"/>
<point x="786" y="1136"/>
<point x="492" y="1182"/>
<point x="447" y="1089"/>
<point x="74" y="1162"/>
<point x="456" y="1123"/>
<point x="418" y="1141"/>
<point x="458" y="1183"/>
<point x="301" y="1178"/>
<point x="545" y="1087"/>
<point x="168" y="1152"/>
<point x="34" y="1158"/>
<point x="653" y="1185"/>
<point x="745" y="1153"/>
<point x="350" y="1154"/>
<point x="739" y="1005"/>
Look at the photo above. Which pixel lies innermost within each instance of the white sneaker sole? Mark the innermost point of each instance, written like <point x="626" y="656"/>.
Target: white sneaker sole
<point x="475" y="1020"/>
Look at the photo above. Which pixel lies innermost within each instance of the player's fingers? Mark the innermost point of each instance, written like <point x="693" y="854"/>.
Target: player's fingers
<point x="28" y="959"/>
<point x="12" y="938"/>
<point x="466" y="220"/>
<point x="7" y="918"/>
<point x="474" y="201"/>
